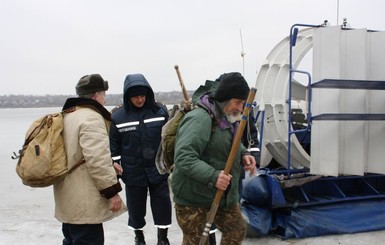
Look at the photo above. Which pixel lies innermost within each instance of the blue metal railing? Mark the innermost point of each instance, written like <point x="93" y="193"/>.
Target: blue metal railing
<point x="262" y="113"/>
<point x="293" y="40"/>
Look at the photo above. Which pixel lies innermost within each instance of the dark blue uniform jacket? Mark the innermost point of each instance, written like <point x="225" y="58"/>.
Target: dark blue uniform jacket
<point x="135" y="135"/>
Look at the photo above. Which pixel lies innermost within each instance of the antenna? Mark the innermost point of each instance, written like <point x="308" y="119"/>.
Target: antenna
<point x="338" y="10"/>
<point x="242" y="53"/>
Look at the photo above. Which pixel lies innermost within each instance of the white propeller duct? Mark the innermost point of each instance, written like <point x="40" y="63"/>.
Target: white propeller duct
<point x="272" y="96"/>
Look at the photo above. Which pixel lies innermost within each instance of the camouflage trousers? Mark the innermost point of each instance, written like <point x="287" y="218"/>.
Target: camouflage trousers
<point x="192" y="221"/>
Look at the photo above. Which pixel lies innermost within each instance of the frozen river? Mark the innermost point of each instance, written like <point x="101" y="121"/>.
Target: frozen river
<point x="26" y="213"/>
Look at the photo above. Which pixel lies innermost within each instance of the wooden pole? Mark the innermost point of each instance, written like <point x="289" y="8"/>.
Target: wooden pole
<point x="185" y="94"/>
<point x="229" y="165"/>
<point x="160" y="161"/>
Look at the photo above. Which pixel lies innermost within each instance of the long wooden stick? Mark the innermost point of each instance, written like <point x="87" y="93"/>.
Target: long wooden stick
<point x="160" y="162"/>
<point x="229" y="165"/>
<point x="185" y="94"/>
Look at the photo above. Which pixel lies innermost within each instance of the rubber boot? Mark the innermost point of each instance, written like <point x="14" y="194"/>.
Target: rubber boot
<point x="212" y="240"/>
<point x="139" y="237"/>
<point x="162" y="237"/>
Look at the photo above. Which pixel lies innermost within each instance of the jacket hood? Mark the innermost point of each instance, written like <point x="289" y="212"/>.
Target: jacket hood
<point x="214" y="109"/>
<point x="137" y="80"/>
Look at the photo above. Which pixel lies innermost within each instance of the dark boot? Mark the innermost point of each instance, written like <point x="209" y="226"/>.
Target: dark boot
<point x="212" y="240"/>
<point x="162" y="237"/>
<point x="139" y="237"/>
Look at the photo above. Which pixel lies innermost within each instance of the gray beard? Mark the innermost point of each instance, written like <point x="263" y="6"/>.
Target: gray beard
<point x="233" y="118"/>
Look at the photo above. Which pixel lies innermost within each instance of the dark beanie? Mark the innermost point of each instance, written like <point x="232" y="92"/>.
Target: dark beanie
<point x="231" y="86"/>
<point x="137" y="90"/>
<point x="90" y="84"/>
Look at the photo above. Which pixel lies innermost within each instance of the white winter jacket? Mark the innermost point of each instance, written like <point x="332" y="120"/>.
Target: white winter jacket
<point x="79" y="197"/>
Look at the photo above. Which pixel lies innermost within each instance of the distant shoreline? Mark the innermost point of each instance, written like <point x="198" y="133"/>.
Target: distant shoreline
<point x="37" y="101"/>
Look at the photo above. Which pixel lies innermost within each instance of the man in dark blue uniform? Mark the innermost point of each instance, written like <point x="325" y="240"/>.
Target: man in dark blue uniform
<point x="134" y="140"/>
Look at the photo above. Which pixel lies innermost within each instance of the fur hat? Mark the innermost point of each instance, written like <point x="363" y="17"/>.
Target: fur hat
<point x="90" y="84"/>
<point x="137" y="90"/>
<point x="231" y="86"/>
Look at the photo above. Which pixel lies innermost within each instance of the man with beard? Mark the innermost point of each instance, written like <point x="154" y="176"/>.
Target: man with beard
<point x="202" y="146"/>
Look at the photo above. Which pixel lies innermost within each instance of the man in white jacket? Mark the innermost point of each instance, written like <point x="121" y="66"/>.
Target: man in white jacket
<point x="88" y="196"/>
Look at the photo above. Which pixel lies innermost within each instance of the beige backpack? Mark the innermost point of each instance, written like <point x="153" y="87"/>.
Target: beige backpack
<point x="42" y="161"/>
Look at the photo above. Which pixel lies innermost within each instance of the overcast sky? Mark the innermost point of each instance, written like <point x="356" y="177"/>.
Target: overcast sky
<point x="47" y="45"/>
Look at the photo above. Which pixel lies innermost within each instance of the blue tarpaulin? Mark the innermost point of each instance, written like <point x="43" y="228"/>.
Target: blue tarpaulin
<point x="259" y="219"/>
<point x="311" y="221"/>
<point x="316" y="219"/>
<point x="338" y="218"/>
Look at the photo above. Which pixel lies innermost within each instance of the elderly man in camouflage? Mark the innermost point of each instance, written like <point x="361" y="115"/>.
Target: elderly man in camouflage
<point x="202" y="146"/>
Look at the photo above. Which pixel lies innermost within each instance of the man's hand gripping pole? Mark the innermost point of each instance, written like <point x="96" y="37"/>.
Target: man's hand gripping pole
<point x="229" y="164"/>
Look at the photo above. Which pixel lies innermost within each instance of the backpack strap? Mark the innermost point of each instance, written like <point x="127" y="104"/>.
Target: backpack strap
<point x="214" y="122"/>
<point x="76" y="165"/>
<point x="69" y="110"/>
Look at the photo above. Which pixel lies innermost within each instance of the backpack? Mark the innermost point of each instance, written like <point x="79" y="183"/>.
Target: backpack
<point x="42" y="160"/>
<point x="164" y="159"/>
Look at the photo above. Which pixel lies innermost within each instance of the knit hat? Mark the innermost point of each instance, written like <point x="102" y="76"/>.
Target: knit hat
<point x="231" y="86"/>
<point x="90" y="84"/>
<point x="137" y="90"/>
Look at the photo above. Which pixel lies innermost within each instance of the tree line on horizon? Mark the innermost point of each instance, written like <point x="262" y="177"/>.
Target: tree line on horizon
<point x="35" y="101"/>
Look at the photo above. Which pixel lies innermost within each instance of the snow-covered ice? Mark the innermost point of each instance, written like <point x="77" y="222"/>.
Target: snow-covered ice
<point x="27" y="214"/>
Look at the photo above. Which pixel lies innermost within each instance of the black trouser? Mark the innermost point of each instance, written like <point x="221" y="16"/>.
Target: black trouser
<point x="159" y="200"/>
<point x="87" y="234"/>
